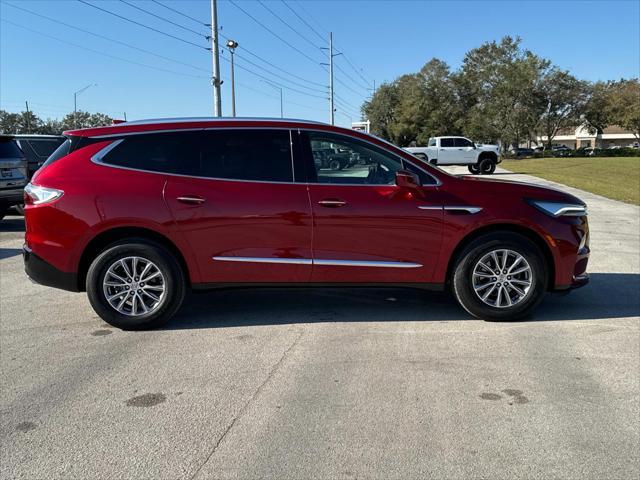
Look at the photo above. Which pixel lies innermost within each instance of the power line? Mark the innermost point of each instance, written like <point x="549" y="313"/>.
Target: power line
<point x="322" y="28"/>
<point x="258" y="57"/>
<point x="180" y="13"/>
<point x="323" y="39"/>
<point x="59" y="22"/>
<point x="163" y="19"/>
<point x="102" y="53"/>
<point x="287" y="24"/>
<point x="359" y="85"/>
<point x="143" y="25"/>
<point x="232" y="2"/>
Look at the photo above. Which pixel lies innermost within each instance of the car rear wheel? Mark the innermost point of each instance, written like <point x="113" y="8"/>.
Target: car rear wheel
<point x="135" y="284"/>
<point x="500" y="277"/>
<point x="474" y="169"/>
<point x="335" y="164"/>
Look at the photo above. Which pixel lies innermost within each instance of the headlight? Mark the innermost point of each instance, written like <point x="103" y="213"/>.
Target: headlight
<point x="560" y="209"/>
<point x="36" y="195"/>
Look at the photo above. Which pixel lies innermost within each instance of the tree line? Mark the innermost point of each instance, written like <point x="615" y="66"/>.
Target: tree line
<point x="501" y="93"/>
<point x="28" y="122"/>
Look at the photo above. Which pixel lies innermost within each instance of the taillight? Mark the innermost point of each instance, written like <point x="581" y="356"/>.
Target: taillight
<point x="37" y="195"/>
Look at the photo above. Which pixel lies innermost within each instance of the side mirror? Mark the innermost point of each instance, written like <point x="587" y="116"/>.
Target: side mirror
<point x="407" y="179"/>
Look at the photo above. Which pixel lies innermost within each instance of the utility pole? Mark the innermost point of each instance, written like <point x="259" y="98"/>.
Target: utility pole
<point x="332" y="110"/>
<point x="28" y="120"/>
<point x="125" y="116"/>
<point x="215" y="80"/>
<point x="232" y="45"/>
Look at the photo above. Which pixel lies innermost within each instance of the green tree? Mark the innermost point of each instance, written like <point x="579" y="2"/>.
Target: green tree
<point x="596" y="114"/>
<point x="623" y="105"/>
<point x="23" y="122"/>
<point x="380" y="110"/>
<point x="563" y="98"/>
<point x="82" y="119"/>
<point x="496" y="86"/>
<point x="442" y="108"/>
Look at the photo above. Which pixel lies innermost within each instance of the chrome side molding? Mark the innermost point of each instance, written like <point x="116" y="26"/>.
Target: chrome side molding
<point x="463" y="208"/>
<point x="309" y="261"/>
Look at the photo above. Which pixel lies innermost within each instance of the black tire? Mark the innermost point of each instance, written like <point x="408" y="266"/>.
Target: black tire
<point x="335" y="164"/>
<point x="487" y="166"/>
<point x="174" y="283"/>
<point x="19" y="209"/>
<point x="462" y="282"/>
<point x="474" y="169"/>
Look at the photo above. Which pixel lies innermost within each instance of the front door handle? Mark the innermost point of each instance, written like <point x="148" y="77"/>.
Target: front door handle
<point x="191" y="199"/>
<point x="332" y="203"/>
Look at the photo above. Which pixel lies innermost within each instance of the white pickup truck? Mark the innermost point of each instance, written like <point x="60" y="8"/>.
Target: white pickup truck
<point x="480" y="159"/>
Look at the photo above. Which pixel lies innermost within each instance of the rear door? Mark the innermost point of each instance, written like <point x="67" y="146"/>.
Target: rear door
<point x="447" y="153"/>
<point x="239" y="208"/>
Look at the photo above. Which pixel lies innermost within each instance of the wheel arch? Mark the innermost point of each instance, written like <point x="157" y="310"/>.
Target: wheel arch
<point x="107" y="237"/>
<point x="528" y="233"/>
<point x="490" y="155"/>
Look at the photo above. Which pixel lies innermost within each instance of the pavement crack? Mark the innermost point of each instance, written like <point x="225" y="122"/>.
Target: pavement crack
<point x="246" y="406"/>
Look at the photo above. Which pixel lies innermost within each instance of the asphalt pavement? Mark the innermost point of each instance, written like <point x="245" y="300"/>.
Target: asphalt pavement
<point x="328" y="383"/>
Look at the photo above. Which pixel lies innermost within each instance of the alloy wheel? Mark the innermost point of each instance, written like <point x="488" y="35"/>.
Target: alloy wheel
<point x="134" y="286"/>
<point x="502" y="278"/>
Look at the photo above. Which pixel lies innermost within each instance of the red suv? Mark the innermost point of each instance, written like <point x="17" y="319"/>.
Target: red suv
<point x="137" y="213"/>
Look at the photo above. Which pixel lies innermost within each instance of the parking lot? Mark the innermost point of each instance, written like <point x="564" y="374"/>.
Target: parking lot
<point x="328" y="383"/>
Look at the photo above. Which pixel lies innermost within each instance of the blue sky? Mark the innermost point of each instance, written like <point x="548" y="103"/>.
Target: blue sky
<point x="595" y="40"/>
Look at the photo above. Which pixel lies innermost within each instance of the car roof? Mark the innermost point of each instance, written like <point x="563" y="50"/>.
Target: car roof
<point x="168" y="124"/>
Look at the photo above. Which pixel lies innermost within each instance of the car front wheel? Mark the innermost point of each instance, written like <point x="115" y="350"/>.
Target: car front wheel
<point x="487" y="166"/>
<point x="500" y="276"/>
<point x="474" y="169"/>
<point x="135" y="284"/>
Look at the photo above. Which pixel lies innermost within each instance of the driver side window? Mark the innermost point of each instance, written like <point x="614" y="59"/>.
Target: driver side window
<point x="342" y="160"/>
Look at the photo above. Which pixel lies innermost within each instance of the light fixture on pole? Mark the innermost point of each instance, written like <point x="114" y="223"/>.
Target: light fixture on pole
<point x="232" y="45"/>
<point x="75" y="103"/>
<point x="279" y="89"/>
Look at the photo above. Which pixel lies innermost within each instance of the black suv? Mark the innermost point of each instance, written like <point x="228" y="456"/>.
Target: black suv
<point x="37" y="148"/>
<point x="13" y="174"/>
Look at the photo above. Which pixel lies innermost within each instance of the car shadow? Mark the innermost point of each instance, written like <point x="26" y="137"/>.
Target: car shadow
<point x="12" y="224"/>
<point x="609" y="295"/>
<point x="9" y="252"/>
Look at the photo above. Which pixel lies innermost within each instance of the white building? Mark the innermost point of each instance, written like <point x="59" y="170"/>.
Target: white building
<point x="612" y="136"/>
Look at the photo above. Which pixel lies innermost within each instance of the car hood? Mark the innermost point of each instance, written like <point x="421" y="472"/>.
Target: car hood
<point x="510" y="189"/>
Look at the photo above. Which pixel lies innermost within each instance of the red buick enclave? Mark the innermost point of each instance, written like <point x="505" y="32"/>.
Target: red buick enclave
<point x="137" y="213"/>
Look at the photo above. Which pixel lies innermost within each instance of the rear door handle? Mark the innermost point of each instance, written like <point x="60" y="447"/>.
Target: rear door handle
<point x="332" y="203"/>
<point x="191" y="199"/>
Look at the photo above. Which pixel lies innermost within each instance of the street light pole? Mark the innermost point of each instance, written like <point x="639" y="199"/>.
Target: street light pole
<point x="232" y="45"/>
<point x="75" y="102"/>
<point x="280" y="90"/>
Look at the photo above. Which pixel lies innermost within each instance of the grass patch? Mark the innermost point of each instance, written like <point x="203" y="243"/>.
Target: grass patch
<point x="612" y="177"/>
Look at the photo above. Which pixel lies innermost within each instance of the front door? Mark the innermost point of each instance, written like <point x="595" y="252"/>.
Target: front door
<point x="366" y="229"/>
<point x="241" y="212"/>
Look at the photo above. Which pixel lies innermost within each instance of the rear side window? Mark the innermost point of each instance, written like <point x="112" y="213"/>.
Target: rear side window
<point x="446" y="142"/>
<point x="161" y="152"/>
<point x="432" y="142"/>
<point x="9" y="149"/>
<point x="262" y="155"/>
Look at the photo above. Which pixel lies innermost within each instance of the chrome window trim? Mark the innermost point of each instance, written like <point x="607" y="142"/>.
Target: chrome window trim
<point x="430" y="207"/>
<point x="98" y="156"/>
<point x="320" y="262"/>
<point x="402" y="160"/>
